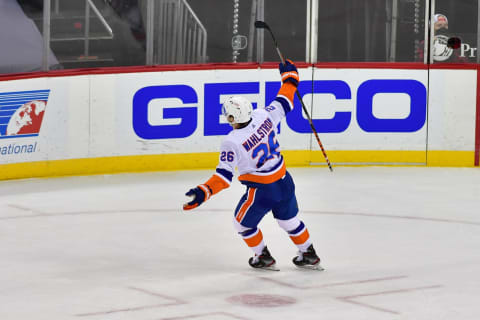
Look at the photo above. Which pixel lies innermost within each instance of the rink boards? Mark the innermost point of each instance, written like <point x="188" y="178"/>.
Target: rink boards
<point x="169" y="119"/>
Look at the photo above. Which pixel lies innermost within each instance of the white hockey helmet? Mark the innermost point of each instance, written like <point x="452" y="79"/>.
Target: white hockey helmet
<point x="237" y="110"/>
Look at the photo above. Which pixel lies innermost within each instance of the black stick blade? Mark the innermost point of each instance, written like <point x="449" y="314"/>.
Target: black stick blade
<point x="261" y="25"/>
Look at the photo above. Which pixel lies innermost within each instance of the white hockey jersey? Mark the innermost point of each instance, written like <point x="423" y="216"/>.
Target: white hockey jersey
<point x="254" y="149"/>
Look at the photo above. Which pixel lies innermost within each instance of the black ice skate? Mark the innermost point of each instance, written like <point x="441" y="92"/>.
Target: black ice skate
<point x="308" y="260"/>
<point x="263" y="261"/>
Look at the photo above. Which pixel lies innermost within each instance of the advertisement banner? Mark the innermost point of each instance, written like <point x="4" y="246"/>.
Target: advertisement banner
<point x="180" y="112"/>
<point x="168" y="120"/>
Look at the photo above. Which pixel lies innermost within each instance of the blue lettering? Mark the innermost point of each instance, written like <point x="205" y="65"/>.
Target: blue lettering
<point x="295" y="120"/>
<point x="339" y="122"/>
<point x="188" y="115"/>
<point x="418" y="106"/>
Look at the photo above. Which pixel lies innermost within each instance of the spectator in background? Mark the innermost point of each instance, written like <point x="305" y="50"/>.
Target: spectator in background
<point x="441" y="52"/>
<point x="440" y="22"/>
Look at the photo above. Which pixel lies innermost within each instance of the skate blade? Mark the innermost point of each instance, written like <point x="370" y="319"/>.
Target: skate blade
<point x="317" y="267"/>
<point x="272" y="268"/>
<point x="269" y="268"/>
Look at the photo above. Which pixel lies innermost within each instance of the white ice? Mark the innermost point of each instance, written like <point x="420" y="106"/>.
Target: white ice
<point x="396" y="242"/>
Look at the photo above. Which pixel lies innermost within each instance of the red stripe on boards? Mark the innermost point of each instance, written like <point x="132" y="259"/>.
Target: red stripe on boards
<point x="477" y="121"/>
<point x="217" y="66"/>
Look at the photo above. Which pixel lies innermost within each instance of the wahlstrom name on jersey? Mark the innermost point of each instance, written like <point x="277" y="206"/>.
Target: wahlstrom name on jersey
<point x="264" y="129"/>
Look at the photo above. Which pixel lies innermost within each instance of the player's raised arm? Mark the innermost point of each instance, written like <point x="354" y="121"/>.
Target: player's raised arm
<point x="283" y="103"/>
<point x="290" y="81"/>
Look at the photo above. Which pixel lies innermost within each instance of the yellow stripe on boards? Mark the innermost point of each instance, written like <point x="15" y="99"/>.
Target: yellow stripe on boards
<point x="190" y="161"/>
<point x="363" y="157"/>
<point x="451" y="158"/>
<point x="385" y="157"/>
<point x="372" y="156"/>
<point x="107" y="165"/>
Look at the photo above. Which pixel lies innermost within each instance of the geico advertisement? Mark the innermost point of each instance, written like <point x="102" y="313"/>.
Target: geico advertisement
<point x="180" y="112"/>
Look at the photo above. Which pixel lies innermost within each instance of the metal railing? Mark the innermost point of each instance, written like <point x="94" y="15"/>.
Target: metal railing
<point x="86" y="37"/>
<point x="89" y="5"/>
<point x="175" y="35"/>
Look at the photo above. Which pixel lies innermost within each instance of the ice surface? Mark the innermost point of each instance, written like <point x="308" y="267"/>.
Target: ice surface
<point x="397" y="243"/>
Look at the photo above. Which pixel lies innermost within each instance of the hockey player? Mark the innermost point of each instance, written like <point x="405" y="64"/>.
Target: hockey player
<point x="252" y="147"/>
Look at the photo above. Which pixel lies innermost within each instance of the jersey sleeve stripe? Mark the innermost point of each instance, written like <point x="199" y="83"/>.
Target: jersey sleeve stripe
<point x="287" y="90"/>
<point x="225" y="180"/>
<point x="225" y="175"/>
<point x="286" y="104"/>
<point x="216" y="184"/>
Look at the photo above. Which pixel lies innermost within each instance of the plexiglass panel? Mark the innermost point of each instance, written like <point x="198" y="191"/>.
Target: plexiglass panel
<point x="233" y="38"/>
<point x="105" y="33"/>
<point x="455" y="19"/>
<point x="371" y="31"/>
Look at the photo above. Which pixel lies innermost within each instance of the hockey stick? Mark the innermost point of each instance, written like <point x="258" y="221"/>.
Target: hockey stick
<point x="263" y="25"/>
